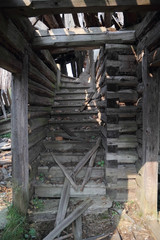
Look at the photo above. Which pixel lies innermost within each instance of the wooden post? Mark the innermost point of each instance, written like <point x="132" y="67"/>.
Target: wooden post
<point x="92" y="69"/>
<point x="150" y="139"/>
<point x="58" y="77"/>
<point x="19" y="126"/>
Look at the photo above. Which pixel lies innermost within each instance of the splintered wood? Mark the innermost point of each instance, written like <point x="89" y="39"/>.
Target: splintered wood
<point x="68" y="220"/>
<point x="62" y="222"/>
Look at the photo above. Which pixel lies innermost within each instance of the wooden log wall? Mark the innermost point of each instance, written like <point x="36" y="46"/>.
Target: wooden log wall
<point x="42" y="75"/>
<point x="117" y="98"/>
<point x="148" y="57"/>
<point x="16" y="35"/>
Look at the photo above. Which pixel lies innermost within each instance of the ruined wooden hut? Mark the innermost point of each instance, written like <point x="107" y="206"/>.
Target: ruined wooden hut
<point x="105" y="118"/>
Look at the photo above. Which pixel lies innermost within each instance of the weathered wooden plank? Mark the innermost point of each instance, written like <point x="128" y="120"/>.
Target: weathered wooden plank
<point x="123" y="157"/>
<point x="35" y="151"/>
<point x="77" y="228"/>
<point x="39" y="89"/>
<point x="122" y="80"/>
<point x="128" y="95"/>
<point x="122" y="172"/>
<point x="71" y="31"/>
<point x="5" y="126"/>
<point x="25" y="27"/>
<point x="26" y="8"/>
<point x="39" y="109"/>
<point x="65" y="172"/>
<point x="151" y="39"/>
<point x="124" y="66"/>
<point x="39" y="100"/>
<point x="68" y="220"/>
<point x="37" y="76"/>
<point x="46" y="56"/>
<point x="20" y="137"/>
<point x="36" y="123"/>
<point x="86" y="157"/>
<point x="154" y="58"/>
<point x="56" y="173"/>
<point x="63" y="203"/>
<point x="150" y="138"/>
<point x="8" y="61"/>
<point x="146" y="24"/>
<point x="89" y="170"/>
<point x="37" y="114"/>
<point x="49" y="41"/>
<point x="123" y="126"/>
<point x="50" y="21"/>
<point x="36" y="136"/>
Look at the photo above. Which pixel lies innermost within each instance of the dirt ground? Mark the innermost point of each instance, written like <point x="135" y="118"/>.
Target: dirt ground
<point x="123" y="221"/>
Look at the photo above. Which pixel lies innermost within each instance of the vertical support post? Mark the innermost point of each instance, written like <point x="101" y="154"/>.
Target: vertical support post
<point x="92" y="69"/>
<point x="58" y="77"/>
<point x="19" y="129"/>
<point x="150" y="139"/>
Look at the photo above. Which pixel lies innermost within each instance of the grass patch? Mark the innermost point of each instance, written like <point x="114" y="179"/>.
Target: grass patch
<point x="15" y="226"/>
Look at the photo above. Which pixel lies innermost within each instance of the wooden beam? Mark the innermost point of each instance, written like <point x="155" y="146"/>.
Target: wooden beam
<point x="80" y="37"/>
<point x="19" y="124"/>
<point x="51" y="21"/>
<point x="150" y="139"/>
<point x="35" y="7"/>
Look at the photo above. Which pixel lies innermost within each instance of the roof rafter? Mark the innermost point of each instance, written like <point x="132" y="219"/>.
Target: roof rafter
<point x="39" y="7"/>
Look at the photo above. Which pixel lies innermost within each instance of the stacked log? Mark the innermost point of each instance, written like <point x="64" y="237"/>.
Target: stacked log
<point x="42" y="73"/>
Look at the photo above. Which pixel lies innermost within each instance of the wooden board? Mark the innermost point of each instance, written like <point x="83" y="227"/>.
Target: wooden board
<point x="19" y="123"/>
<point x="95" y="37"/>
<point x="26" y="8"/>
<point x="150" y="138"/>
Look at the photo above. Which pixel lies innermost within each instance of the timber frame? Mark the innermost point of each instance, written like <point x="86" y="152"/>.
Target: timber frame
<point x="27" y="54"/>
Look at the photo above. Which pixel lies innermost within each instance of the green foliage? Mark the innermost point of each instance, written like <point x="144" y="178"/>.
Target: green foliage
<point x="117" y="205"/>
<point x="31" y="234"/>
<point x="7" y="135"/>
<point x="15" y="226"/>
<point x="101" y="163"/>
<point x="41" y="177"/>
<point x="37" y="203"/>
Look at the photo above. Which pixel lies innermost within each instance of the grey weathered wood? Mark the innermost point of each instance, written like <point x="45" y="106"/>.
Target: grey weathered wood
<point x="77" y="228"/>
<point x="50" y="40"/>
<point x="39" y="89"/>
<point x="89" y="99"/>
<point x="86" y="157"/>
<point x="58" y="78"/>
<point x="51" y="21"/>
<point x="68" y="220"/>
<point x="65" y="172"/>
<point x="89" y="170"/>
<point x="25" y="8"/>
<point x="151" y="39"/>
<point x="20" y="137"/>
<point x="8" y="61"/>
<point x="67" y="130"/>
<point x="37" y="100"/>
<point x="64" y="237"/>
<point x="63" y="203"/>
<point x="150" y="138"/>
<point x="2" y="105"/>
<point x="36" y="136"/>
<point x="122" y="80"/>
<point x="99" y="237"/>
<point x="146" y="24"/>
